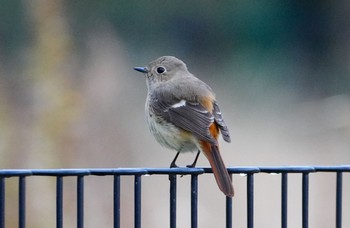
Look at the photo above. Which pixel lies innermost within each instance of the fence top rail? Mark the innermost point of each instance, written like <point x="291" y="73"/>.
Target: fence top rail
<point x="288" y="169"/>
<point x="168" y="171"/>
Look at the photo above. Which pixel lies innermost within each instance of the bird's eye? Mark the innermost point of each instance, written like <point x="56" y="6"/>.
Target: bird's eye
<point x="160" y="70"/>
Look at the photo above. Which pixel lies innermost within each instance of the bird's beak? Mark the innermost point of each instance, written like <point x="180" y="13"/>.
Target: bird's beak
<point x="141" y="69"/>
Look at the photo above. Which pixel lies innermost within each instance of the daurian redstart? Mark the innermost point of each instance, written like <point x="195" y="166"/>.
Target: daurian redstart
<point x="183" y="115"/>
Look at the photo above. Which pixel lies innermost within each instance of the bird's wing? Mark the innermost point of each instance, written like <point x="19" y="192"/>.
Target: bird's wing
<point x="187" y="115"/>
<point x="219" y="119"/>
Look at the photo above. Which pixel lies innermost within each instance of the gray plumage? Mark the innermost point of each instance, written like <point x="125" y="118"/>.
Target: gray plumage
<point x="165" y="91"/>
<point x="182" y="114"/>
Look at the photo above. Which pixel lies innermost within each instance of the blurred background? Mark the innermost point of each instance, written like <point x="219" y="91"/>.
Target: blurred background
<point x="70" y="99"/>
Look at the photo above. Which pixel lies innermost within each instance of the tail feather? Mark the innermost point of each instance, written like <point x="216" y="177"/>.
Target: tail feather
<point x="222" y="177"/>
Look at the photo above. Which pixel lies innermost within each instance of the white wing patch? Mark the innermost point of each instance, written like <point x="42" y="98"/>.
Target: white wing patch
<point x="180" y="104"/>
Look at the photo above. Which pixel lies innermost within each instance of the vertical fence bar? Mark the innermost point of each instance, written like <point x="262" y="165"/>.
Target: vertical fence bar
<point x="22" y="202"/>
<point x="284" y="200"/>
<point x="194" y="200"/>
<point x="80" y="201"/>
<point x="250" y="200"/>
<point x="339" y="199"/>
<point x="173" y="184"/>
<point x="305" y="200"/>
<point x="2" y="202"/>
<point x="229" y="210"/>
<point x="137" y="201"/>
<point x="59" y="202"/>
<point x="116" y="201"/>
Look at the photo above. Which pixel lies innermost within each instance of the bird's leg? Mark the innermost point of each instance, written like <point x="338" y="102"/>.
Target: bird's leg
<point x="172" y="177"/>
<point x="195" y="160"/>
<point x="173" y="163"/>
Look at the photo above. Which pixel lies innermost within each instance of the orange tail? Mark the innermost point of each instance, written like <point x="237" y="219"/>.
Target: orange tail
<point x="222" y="177"/>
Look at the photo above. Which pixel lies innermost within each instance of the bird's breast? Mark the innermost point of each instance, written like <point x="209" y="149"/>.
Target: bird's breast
<point x="167" y="134"/>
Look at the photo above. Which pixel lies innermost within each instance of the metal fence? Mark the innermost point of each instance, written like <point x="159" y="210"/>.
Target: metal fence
<point x="195" y="173"/>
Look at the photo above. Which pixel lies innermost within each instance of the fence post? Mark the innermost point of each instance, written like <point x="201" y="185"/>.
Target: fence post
<point x="59" y="202"/>
<point x="284" y="200"/>
<point x="305" y="200"/>
<point x="229" y="210"/>
<point x="173" y="183"/>
<point x="137" y="201"/>
<point x="250" y="200"/>
<point x="22" y="202"/>
<point x="2" y="202"/>
<point x="339" y="199"/>
<point x="194" y="200"/>
<point x="116" y="201"/>
<point x="80" y="201"/>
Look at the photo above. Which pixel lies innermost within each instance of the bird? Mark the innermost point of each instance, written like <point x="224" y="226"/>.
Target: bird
<point x="182" y="114"/>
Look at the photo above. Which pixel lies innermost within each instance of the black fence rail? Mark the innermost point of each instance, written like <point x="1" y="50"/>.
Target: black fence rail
<point x="138" y="173"/>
